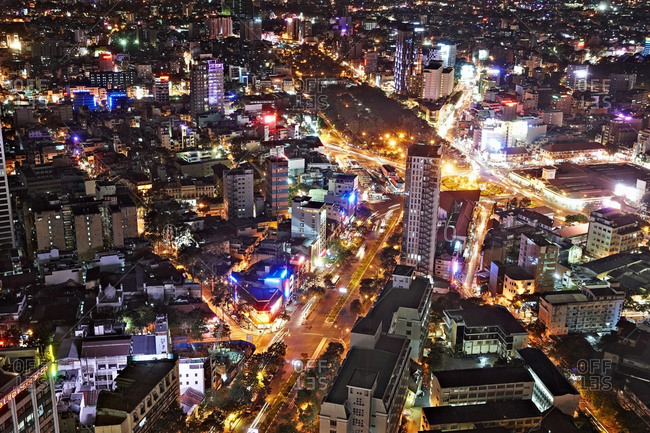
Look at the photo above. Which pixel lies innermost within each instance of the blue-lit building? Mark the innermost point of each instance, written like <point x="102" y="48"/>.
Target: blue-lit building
<point x="81" y="98"/>
<point x="117" y="99"/>
<point x="266" y="287"/>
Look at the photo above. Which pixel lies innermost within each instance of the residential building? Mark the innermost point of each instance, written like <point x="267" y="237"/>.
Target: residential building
<point x="145" y="390"/>
<point x="29" y="403"/>
<point x="161" y="87"/>
<point x="431" y="81"/>
<point x="49" y="228"/>
<point x="484" y="329"/>
<point x="191" y="373"/>
<point x="403" y="309"/>
<point x="480" y="385"/>
<point x="588" y="310"/>
<point x="251" y="29"/>
<point x="576" y="76"/>
<point x="539" y="257"/>
<point x="518" y="416"/>
<point x="113" y="80"/>
<point x="88" y="230"/>
<point x="220" y="26"/>
<point x="408" y="58"/>
<point x="309" y="221"/>
<point x="238" y="192"/>
<point x="277" y="186"/>
<point x="421" y="202"/>
<point x="612" y="232"/>
<point x="447" y="82"/>
<point x="552" y="389"/>
<point x="206" y="87"/>
<point x="6" y="215"/>
<point x="446" y="53"/>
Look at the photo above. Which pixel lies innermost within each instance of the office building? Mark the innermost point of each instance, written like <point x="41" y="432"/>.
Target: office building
<point x="408" y="58"/>
<point x="446" y="53"/>
<point x="480" y="386"/>
<point x="243" y="9"/>
<point x="206" y="87"/>
<point x="238" y="192"/>
<point x="161" y="87"/>
<point x="403" y="309"/>
<point x="422" y="194"/>
<point x="621" y="83"/>
<point x="309" y="221"/>
<point x="539" y="257"/>
<point x="518" y="416"/>
<point x="588" y="310"/>
<point x="646" y="47"/>
<point x="612" y="232"/>
<point x="277" y="186"/>
<point x="370" y="61"/>
<point x="112" y="80"/>
<point x="577" y="76"/>
<point x="484" y="329"/>
<point x="28" y="403"/>
<point x="369" y="392"/>
<point x="251" y="30"/>
<point x="6" y="215"/>
<point x="551" y="389"/>
<point x="144" y="391"/>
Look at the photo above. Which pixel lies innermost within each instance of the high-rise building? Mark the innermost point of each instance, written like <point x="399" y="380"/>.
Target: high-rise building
<point x="447" y="81"/>
<point x="238" y="192"/>
<point x="28" y="402"/>
<point x="251" y="30"/>
<point x="243" y="9"/>
<point x="539" y="257"/>
<point x="161" y="89"/>
<point x="408" y="58"/>
<point x="422" y="194"/>
<point x="370" y="61"/>
<point x="88" y="229"/>
<point x="446" y="53"/>
<point x="576" y="76"/>
<point x="220" y="26"/>
<point x="49" y="227"/>
<point x="646" y="47"/>
<point x="206" y="87"/>
<point x="621" y="82"/>
<point x="309" y="221"/>
<point x="431" y="79"/>
<point x="277" y="185"/>
<point x="6" y="216"/>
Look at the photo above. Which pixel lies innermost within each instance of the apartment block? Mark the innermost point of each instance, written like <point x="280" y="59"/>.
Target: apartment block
<point x="611" y="232"/>
<point x="581" y="311"/>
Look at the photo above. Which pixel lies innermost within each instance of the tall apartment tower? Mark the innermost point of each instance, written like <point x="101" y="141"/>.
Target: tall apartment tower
<point x="6" y="218"/>
<point x="161" y="89"/>
<point x="277" y="185"/>
<point x="206" y="87"/>
<point x="431" y="81"/>
<point x="422" y="194"/>
<point x="408" y="58"/>
<point x="238" y="192"/>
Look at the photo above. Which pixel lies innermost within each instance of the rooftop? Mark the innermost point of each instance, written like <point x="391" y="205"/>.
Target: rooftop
<point x="547" y="372"/>
<point x="515" y="409"/>
<point x="482" y="376"/>
<point x="133" y="383"/>
<point x="489" y="315"/>
<point x="424" y="150"/>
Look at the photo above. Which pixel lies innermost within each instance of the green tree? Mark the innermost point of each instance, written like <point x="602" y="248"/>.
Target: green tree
<point x="525" y="202"/>
<point x="356" y="307"/>
<point x="172" y="420"/>
<point x="576" y="219"/>
<point x="286" y="428"/>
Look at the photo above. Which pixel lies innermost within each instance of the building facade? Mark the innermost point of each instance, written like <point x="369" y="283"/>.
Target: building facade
<point x="238" y="192"/>
<point x="309" y="221"/>
<point x="421" y="202"/>
<point x="582" y="311"/>
<point x="277" y="186"/>
<point x="206" y="87"/>
<point x="612" y="232"/>
<point x="408" y="59"/>
<point x="6" y="215"/>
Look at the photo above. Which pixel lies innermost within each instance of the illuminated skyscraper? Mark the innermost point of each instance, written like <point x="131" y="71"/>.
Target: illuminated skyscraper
<point x="446" y="53"/>
<point x="206" y="87"/>
<point x="6" y="218"/>
<point x="422" y="194"/>
<point x="408" y="58"/>
<point x="646" y="47"/>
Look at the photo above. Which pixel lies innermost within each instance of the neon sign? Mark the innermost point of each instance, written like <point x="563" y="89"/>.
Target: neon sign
<point x="23" y="385"/>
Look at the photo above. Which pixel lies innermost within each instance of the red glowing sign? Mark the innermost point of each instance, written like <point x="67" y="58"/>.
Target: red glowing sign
<point x="164" y="78"/>
<point x="107" y="56"/>
<point x="23" y="385"/>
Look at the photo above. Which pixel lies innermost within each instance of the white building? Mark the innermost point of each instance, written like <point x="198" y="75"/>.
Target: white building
<point x="309" y="220"/>
<point x="581" y="311"/>
<point x="191" y="374"/>
<point x="437" y="81"/>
